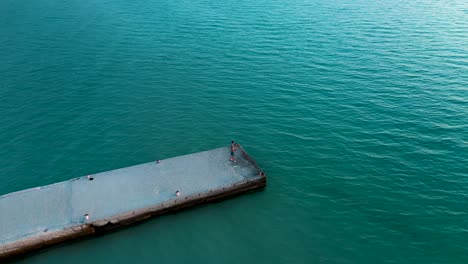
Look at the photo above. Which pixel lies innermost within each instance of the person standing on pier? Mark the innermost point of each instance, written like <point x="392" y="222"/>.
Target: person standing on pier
<point x="233" y="149"/>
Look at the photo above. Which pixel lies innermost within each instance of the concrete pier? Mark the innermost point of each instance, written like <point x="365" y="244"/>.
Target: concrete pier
<point x="92" y="204"/>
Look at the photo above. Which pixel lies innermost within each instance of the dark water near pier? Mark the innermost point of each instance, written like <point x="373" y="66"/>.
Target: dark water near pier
<point x="357" y="110"/>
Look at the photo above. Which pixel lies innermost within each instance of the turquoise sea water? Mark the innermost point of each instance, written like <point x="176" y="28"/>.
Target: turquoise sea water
<point x="357" y="110"/>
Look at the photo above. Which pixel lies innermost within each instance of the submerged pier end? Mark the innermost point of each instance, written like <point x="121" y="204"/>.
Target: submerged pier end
<point x="93" y="204"/>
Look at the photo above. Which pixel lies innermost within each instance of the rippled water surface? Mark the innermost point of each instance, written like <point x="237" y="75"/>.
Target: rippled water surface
<point x="357" y="110"/>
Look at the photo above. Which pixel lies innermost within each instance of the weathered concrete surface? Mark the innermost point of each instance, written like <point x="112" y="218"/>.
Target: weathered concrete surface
<point x="51" y="214"/>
